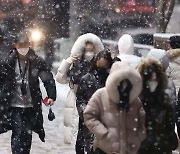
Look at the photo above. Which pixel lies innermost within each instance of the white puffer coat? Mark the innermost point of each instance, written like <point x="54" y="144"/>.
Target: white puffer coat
<point x="117" y="131"/>
<point x="70" y="111"/>
<point x="126" y="51"/>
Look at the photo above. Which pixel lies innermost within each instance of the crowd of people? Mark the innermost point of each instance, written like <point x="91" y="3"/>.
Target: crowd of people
<point x="125" y="104"/>
<point x="121" y="104"/>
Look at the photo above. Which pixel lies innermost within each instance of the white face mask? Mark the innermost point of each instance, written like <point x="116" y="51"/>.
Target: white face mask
<point x="23" y="51"/>
<point x="89" y="55"/>
<point x="153" y="85"/>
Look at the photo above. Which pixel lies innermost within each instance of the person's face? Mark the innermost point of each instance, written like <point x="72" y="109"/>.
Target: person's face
<point x="23" y="49"/>
<point x="22" y="45"/>
<point x="153" y="77"/>
<point x="89" y="48"/>
<point x="153" y="83"/>
<point x="102" y="63"/>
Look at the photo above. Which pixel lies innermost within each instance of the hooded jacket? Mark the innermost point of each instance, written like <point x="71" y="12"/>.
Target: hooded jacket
<point x="164" y="58"/>
<point x="160" y="119"/>
<point x="70" y="113"/>
<point x="116" y="131"/>
<point x="126" y="51"/>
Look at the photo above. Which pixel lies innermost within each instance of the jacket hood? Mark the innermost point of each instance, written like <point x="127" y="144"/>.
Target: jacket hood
<point x="79" y="44"/>
<point x="120" y="71"/>
<point x="146" y="62"/>
<point x="126" y="44"/>
<point x="160" y="55"/>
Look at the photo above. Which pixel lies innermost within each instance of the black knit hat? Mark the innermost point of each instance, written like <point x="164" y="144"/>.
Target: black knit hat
<point x="175" y="42"/>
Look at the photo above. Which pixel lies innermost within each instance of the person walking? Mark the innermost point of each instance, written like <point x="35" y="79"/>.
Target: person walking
<point x="23" y="96"/>
<point x="160" y="118"/>
<point x="114" y="113"/>
<point x="165" y="58"/>
<point x="127" y="51"/>
<point x="70" y="71"/>
<point x="89" y="83"/>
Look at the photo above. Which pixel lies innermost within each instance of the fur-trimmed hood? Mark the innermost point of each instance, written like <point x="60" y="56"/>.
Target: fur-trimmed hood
<point x="161" y="55"/>
<point x="80" y="44"/>
<point x="126" y="44"/>
<point x="142" y="68"/>
<point x="120" y="71"/>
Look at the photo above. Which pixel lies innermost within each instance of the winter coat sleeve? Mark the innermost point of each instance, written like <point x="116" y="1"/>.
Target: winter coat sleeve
<point x="177" y="109"/>
<point x="61" y="75"/>
<point x="92" y="116"/>
<point x="48" y="80"/>
<point x="170" y="123"/>
<point x="81" y="100"/>
<point x="141" y="129"/>
<point x="171" y="91"/>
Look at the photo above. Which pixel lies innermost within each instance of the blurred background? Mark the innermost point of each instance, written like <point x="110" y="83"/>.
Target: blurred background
<point x="54" y="25"/>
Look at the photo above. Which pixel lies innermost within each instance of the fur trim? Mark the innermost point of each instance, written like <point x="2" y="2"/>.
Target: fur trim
<point x="149" y="61"/>
<point x="173" y="53"/>
<point x="120" y="71"/>
<point x="126" y="44"/>
<point x="80" y="43"/>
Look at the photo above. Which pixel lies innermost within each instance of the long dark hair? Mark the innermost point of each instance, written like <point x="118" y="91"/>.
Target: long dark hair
<point x="106" y="54"/>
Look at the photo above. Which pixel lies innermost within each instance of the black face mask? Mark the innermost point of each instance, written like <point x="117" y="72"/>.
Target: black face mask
<point x="124" y="91"/>
<point x="102" y="71"/>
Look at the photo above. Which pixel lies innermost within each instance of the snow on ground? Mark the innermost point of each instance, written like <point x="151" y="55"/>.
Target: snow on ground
<point x="54" y="130"/>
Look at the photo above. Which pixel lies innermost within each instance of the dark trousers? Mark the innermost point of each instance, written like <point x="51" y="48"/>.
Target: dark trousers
<point x="80" y="139"/>
<point x="21" y="138"/>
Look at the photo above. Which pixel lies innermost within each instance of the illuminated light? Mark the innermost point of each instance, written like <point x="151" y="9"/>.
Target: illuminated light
<point x="36" y="35"/>
<point x="117" y="10"/>
<point x="26" y="1"/>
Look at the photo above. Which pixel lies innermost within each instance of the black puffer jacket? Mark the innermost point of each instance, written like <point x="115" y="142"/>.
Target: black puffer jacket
<point x="87" y="86"/>
<point x="37" y="68"/>
<point x="160" y="118"/>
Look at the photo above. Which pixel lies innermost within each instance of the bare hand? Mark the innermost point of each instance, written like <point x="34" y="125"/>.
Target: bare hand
<point x="74" y="58"/>
<point x="50" y="101"/>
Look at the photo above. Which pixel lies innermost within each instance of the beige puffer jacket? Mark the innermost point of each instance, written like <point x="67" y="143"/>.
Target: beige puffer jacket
<point x="117" y="131"/>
